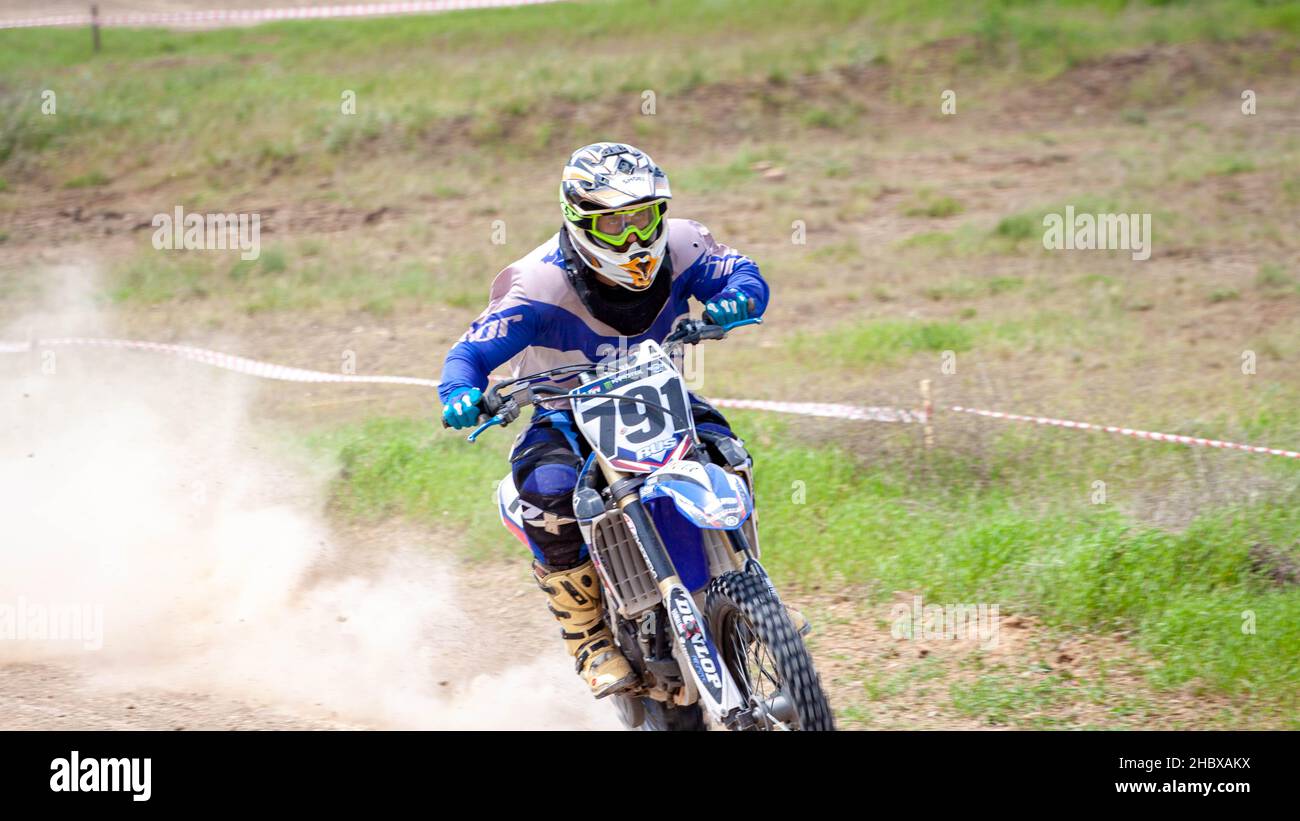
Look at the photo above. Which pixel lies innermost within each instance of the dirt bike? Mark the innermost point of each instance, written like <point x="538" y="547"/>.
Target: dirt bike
<point x="668" y="517"/>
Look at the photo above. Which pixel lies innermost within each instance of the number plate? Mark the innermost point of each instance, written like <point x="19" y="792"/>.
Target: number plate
<point x="637" y="436"/>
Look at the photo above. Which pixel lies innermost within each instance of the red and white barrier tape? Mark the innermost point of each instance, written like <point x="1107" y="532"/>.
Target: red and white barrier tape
<point x="246" y="16"/>
<point x="238" y="364"/>
<point x="823" y="409"/>
<point x="1139" y="434"/>
<point x="269" y="370"/>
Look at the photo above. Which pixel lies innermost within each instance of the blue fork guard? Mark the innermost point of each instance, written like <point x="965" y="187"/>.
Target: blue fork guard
<point x="684" y="541"/>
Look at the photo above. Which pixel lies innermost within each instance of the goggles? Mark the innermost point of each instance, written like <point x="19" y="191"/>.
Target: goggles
<point x="617" y="227"/>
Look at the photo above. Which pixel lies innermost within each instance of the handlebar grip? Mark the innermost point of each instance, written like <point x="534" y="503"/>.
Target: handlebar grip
<point x="489" y="404"/>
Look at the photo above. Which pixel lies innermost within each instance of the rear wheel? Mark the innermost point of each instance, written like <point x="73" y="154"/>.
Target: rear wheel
<point x="765" y="655"/>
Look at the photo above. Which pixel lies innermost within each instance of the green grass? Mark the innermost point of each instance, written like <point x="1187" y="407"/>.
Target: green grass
<point x="885" y="342"/>
<point x="1019" y="227"/>
<point x="936" y="207"/>
<point x="961" y="528"/>
<point x="1290" y="186"/>
<point x="314" y="273"/>
<point x="412" y="468"/>
<point x="963" y="241"/>
<point x="705" y="179"/>
<point x="1017" y="233"/>
<point x="1195" y="166"/>
<point x="175" y="96"/>
<point x="881" y="341"/>
<point x="1005" y="700"/>
<point x="93" y="179"/>
<point x="1024" y="231"/>
<point x="1272" y="276"/>
<point x="971" y="288"/>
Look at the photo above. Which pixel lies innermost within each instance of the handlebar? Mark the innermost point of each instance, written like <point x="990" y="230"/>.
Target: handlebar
<point x="503" y="411"/>
<point x="694" y="331"/>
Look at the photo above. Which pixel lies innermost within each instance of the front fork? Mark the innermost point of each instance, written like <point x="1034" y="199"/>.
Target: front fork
<point x="740" y="544"/>
<point x="718" y="691"/>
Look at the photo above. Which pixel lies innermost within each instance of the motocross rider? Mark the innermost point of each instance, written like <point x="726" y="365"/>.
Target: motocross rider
<point x="617" y="273"/>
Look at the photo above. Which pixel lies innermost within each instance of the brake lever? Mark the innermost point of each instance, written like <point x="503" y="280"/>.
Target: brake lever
<point x="495" y="420"/>
<point x="740" y="323"/>
<point x="508" y="412"/>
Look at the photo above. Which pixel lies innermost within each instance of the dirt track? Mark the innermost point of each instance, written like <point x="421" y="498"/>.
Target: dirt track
<point x="510" y="624"/>
<point x="496" y="664"/>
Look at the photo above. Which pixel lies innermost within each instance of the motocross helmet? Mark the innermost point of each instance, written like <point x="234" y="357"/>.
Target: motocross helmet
<point x="614" y="198"/>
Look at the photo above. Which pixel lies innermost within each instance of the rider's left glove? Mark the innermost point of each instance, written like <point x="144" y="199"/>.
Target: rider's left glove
<point x="731" y="305"/>
<point x="462" y="408"/>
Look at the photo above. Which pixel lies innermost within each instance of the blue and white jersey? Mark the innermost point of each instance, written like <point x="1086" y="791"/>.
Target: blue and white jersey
<point x="535" y="320"/>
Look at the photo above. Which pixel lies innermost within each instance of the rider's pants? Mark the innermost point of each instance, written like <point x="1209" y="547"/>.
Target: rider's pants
<point x="545" y="464"/>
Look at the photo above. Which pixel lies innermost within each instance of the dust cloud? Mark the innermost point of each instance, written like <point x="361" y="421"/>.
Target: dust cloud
<point x="155" y="538"/>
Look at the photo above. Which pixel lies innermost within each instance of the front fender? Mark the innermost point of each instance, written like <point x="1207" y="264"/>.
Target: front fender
<point x="707" y="495"/>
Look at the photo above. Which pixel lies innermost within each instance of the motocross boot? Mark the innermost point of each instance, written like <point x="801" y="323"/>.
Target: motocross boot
<point x="576" y="603"/>
<point x="801" y="624"/>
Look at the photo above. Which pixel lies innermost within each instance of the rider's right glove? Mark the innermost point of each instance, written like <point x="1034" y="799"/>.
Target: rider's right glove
<point x="462" y="408"/>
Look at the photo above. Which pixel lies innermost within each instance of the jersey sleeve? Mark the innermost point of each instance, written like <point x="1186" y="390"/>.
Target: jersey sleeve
<point x="506" y="327"/>
<point x="718" y="267"/>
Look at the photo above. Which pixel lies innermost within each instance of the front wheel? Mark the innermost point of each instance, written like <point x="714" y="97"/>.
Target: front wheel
<point x="644" y="713"/>
<point x="671" y="718"/>
<point x="765" y="655"/>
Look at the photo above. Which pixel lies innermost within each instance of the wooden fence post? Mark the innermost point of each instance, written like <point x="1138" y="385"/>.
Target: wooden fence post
<point x="927" y="409"/>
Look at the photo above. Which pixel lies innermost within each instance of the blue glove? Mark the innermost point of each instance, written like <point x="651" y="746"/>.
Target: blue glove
<point x="462" y="409"/>
<point x="731" y="305"/>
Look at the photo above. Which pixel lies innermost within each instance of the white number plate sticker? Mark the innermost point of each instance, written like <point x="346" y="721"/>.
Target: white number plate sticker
<point x="636" y="436"/>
